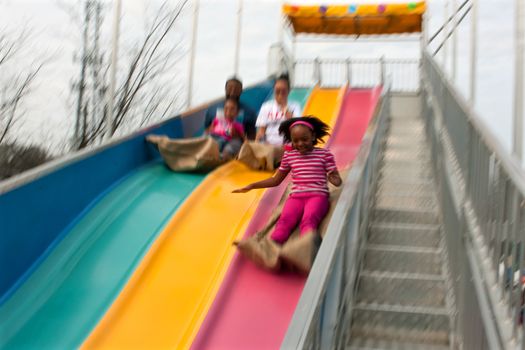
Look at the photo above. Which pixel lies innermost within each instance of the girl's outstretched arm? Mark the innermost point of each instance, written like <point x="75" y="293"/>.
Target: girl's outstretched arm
<point x="273" y="181"/>
<point x="335" y="178"/>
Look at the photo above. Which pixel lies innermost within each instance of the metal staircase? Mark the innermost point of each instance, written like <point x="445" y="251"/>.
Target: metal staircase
<point x="401" y="300"/>
<point x="428" y="229"/>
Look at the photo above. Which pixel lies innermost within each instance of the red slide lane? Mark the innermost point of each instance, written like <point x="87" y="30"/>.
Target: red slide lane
<point x="253" y="307"/>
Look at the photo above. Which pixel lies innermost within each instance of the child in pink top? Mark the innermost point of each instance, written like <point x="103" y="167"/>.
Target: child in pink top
<point x="228" y="132"/>
<point x="311" y="168"/>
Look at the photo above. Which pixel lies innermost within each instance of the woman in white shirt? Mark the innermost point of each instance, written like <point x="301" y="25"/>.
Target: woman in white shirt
<point x="274" y="112"/>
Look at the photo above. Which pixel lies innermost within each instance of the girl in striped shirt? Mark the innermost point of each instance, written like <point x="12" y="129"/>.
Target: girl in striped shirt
<point x="311" y="168"/>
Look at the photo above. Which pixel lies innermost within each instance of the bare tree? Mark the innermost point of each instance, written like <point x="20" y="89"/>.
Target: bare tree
<point x="15" y="85"/>
<point x="143" y="94"/>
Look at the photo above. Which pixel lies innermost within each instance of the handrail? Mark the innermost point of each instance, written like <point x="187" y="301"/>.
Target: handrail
<point x="509" y="163"/>
<point x="358" y="72"/>
<point x="313" y="324"/>
<point x="486" y="187"/>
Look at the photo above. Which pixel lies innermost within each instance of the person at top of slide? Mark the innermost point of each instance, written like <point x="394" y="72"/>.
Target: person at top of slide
<point x="311" y="169"/>
<point x="246" y="116"/>
<point x="274" y="112"/>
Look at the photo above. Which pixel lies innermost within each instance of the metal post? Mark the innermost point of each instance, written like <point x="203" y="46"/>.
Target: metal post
<point x="238" y="38"/>
<point x="317" y="71"/>
<point x="473" y="53"/>
<point x="192" y="52"/>
<point x="454" y="39"/>
<point x="423" y="38"/>
<point x="113" y="72"/>
<point x="517" y="141"/>
<point x="282" y="25"/>
<point x="348" y="71"/>
<point x="445" y="35"/>
<point x="382" y="67"/>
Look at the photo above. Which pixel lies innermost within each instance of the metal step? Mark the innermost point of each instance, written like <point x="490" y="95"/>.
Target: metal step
<point x="407" y="155"/>
<point x="412" y="173"/>
<point x="357" y="343"/>
<point x="402" y="259"/>
<point x="426" y="236"/>
<point x="402" y="129"/>
<point x="401" y="143"/>
<point x="401" y="187"/>
<point x="414" y="202"/>
<point x="406" y="164"/>
<point x="398" y="215"/>
<point x="401" y="324"/>
<point x="397" y="124"/>
<point x="401" y="289"/>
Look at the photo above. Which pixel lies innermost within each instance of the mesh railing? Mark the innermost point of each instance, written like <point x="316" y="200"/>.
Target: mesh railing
<point x="483" y="201"/>
<point x="357" y="72"/>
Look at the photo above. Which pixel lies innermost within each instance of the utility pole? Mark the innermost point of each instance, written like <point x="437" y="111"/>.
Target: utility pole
<point x="113" y="73"/>
<point x="79" y="123"/>
<point x="517" y="140"/>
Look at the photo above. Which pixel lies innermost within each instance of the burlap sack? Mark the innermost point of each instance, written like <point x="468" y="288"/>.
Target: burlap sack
<point x="260" y="156"/>
<point x="191" y="154"/>
<point x="298" y="253"/>
<point x="262" y="251"/>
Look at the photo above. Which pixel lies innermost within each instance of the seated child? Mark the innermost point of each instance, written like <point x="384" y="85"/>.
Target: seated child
<point x="227" y="131"/>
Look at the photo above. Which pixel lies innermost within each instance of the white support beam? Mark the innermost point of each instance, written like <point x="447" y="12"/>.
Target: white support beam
<point x="473" y="51"/>
<point x="192" y="52"/>
<point x="517" y="140"/>
<point x="238" y="38"/>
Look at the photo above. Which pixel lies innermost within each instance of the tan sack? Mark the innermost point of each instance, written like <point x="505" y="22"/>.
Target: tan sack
<point x="191" y="154"/>
<point x="260" y="156"/>
<point x="261" y="250"/>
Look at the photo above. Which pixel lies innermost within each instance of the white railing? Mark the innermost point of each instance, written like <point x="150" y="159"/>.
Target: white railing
<point x="358" y="72"/>
<point x="482" y="192"/>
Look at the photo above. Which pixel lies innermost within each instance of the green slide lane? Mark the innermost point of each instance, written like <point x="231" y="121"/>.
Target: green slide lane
<point x="299" y="95"/>
<point x="62" y="301"/>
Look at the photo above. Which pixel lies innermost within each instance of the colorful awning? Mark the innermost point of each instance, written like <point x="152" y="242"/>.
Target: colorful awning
<point x="356" y="19"/>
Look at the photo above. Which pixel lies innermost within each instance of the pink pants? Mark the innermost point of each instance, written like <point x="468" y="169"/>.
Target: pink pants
<point x="308" y="208"/>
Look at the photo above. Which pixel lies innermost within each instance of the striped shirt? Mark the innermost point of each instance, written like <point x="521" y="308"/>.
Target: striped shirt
<point x="308" y="170"/>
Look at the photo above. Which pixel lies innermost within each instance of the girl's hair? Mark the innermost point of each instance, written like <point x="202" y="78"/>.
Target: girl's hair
<point x="234" y="100"/>
<point x="319" y="128"/>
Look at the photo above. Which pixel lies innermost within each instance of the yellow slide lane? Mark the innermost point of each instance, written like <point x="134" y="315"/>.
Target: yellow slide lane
<point x="325" y="104"/>
<point x="165" y="302"/>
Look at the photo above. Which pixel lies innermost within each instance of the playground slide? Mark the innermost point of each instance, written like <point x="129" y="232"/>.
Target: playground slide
<point x="254" y="307"/>
<point x="63" y="299"/>
<point x="169" y="294"/>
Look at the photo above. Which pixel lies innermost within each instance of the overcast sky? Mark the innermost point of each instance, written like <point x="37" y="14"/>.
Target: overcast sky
<point x="48" y="117"/>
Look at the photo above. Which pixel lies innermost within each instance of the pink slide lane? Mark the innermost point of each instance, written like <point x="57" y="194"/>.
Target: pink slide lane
<point x="254" y="307"/>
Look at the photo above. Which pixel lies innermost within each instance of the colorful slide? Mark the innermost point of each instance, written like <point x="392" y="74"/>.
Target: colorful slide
<point x="151" y="263"/>
<point x="254" y="307"/>
<point x="178" y="279"/>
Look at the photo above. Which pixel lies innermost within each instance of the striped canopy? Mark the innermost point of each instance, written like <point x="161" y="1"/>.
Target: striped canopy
<point x="356" y="19"/>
